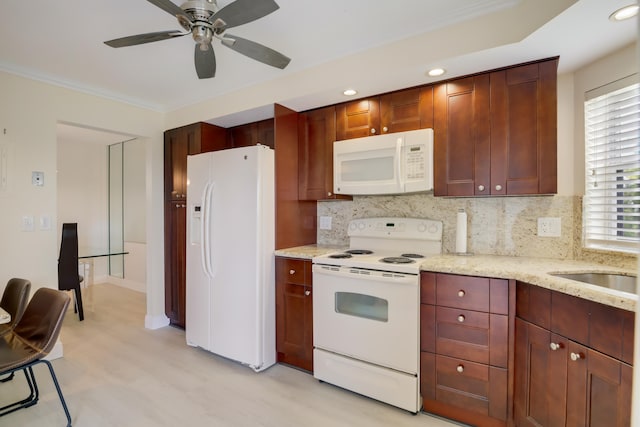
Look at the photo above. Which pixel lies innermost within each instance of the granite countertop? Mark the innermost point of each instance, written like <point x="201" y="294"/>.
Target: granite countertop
<point x="527" y="269"/>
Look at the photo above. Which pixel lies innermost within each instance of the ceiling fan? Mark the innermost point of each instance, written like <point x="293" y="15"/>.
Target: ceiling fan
<point x="204" y="20"/>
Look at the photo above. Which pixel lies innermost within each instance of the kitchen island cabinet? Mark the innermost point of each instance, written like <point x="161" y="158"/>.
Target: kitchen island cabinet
<point x="398" y="111"/>
<point x="466" y="330"/>
<point x="178" y="143"/>
<point x="572" y="360"/>
<point x="496" y="132"/>
<point x="294" y="312"/>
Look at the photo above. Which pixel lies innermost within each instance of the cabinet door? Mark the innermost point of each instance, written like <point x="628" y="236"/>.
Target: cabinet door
<point x="294" y="313"/>
<point x="175" y="261"/>
<point x="462" y="137"/>
<point x="540" y="377"/>
<point x="599" y="389"/>
<point x="316" y="134"/>
<point x="523" y="129"/>
<point x="357" y="119"/>
<point x="260" y="132"/>
<point x="405" y="110"/>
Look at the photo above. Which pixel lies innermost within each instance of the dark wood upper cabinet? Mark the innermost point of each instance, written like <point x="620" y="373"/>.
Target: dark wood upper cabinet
<point x="524" y="130"/>
<point x="261" y="132"/>
<point x="398" y="111"/>
<point x="495" y="133"/>
<point x="462" y="137"/>
<point x="408" y="109"/>
<point x="316" y="135"/>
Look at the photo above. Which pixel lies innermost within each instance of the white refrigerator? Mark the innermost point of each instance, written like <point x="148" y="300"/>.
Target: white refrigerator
<point x="230" y="290"/>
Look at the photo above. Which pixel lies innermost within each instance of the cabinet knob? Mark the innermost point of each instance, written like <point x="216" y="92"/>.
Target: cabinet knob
<point x="329" y="193"/>
<point x="307" y="293"/>
<point x="385" y="129"/>
<point x="480" y="187"/>
<point x="461" y="293"/>
<point x="555" y="346"/>
<point x="461" y="318"/>
<point x="576" y="356"/>
<point x="373" y="130"/>
<point x="460" y="368"/>
<point x="498" y="187"/>
<point x="292" y="272"/>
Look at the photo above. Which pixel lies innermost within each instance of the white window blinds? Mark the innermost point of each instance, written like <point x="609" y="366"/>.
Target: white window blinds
<point x="611" y="208"/>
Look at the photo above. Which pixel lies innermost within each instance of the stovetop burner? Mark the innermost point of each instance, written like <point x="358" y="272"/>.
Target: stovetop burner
<point x="340" y="256"/>
<point x="397" y="260"/>
<point x="412" y="256"/>
<point x="359" y="251"/>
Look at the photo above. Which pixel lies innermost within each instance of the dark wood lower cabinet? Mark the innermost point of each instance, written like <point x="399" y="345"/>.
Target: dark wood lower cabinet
<point x="294" y="313"/>
<point x="573" y="367"/>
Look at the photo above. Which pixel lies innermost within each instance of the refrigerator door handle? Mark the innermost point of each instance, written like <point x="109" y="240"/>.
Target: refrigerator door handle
<point x="206" y="230"/>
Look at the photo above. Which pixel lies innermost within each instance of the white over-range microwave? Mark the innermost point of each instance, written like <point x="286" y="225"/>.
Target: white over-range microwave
<point x="394" y="163"/>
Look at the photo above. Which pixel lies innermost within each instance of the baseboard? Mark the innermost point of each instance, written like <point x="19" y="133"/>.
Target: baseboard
<point x="57" y="352"/>
<point x="156" y="322"/>
<point x="124" y="283"/>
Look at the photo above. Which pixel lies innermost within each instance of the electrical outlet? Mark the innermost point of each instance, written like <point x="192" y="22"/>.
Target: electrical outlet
<point x="549" y="227"/>
<point x="325" y="223"/>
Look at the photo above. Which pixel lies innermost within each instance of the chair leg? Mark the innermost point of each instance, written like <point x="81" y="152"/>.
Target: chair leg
<point x="30" y="400"/>
<point x="58" y="389"/>
<point x="79" y="303"/>
<point x="7" y="378"/>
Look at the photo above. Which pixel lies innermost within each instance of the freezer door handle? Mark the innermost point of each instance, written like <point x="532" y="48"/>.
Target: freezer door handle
<point x="205" y="252"/>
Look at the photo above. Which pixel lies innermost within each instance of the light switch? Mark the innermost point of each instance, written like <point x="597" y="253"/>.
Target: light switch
<point x="325" y="223"/>
<point x="45" y="222"/>
<point x="27" y="223"/>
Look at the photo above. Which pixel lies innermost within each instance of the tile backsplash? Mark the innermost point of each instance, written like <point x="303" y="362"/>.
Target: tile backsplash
<point x="495" y="226"/>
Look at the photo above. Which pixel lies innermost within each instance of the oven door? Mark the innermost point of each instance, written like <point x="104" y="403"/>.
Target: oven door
<point x="367" y="315"/>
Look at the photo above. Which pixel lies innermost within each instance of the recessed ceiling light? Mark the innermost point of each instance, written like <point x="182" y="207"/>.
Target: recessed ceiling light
<point x="624" y="13"/>
<point x="435" y="72"/>
<point x="350" y="92"/>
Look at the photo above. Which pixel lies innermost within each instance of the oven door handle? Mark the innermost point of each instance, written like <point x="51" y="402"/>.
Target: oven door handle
<point x="363" y="274"/>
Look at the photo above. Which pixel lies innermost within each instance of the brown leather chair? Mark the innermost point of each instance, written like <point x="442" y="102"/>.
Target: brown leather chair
<point x="14" y="301"/>
<point x="30" y="341"/>
<point x="68" y="277"/>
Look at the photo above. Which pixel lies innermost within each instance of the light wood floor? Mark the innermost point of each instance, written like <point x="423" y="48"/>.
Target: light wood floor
<point x="117" y="373"/>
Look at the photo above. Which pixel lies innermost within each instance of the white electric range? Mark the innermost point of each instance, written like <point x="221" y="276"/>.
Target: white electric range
<point x="366" y="309"/>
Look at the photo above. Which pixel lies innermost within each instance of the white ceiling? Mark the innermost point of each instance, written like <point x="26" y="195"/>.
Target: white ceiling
<point x="375" y="46"/>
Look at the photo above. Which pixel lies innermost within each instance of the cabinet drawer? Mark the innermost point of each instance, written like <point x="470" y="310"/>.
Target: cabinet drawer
<point x="474" y="387"/>
<point x="294" y="271"/>
<point x="471" y="335"/>
<point x="465" y="292"/>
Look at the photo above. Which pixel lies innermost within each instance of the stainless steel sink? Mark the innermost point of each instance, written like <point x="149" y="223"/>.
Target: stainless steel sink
<point x="619" y="282"/>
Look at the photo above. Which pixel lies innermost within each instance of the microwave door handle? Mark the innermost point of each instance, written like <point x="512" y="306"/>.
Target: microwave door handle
<point x="400" y="177"/>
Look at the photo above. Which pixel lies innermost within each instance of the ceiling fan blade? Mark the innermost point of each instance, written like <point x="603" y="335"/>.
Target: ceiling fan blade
<point x="256" y="51"/>
<point x="242" y="11"/>
<point x="170" y="7"/>
<point x="205" y="61"/>
<point x="144" y="38"/>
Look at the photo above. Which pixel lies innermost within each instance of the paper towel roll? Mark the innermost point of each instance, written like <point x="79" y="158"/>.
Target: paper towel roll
<point x="461" y="232"/>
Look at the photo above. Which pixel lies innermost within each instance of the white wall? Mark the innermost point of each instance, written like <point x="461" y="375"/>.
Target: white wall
<point x="29" y="111"/>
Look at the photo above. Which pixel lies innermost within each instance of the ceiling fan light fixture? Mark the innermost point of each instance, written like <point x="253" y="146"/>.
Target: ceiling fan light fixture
<point x="436" y="72"/>
<point x="349" y="92"/>
<point x="624" y="13"/>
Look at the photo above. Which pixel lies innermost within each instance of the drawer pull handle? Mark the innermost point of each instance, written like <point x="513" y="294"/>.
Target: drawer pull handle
<point x="461" y="293"/>
<point x="461" y="318"/>
<point x="576" y="356"/>
<point x="555" y="346"/>
<point x="460" y="368"/>
<point x="292" y="272"/>
<point x="307" y="293"/>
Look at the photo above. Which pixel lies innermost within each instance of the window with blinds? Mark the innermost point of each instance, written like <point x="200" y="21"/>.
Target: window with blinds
<point x="611" y="208"/>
